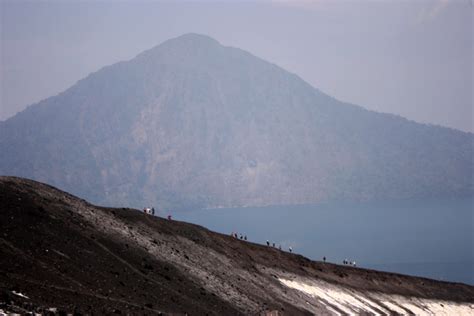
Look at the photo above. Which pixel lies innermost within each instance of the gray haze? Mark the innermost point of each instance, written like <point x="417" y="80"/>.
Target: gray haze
<point x="411" y="59"/>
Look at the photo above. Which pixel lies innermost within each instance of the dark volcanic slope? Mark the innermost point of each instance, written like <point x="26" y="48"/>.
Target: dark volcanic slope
<point x="56" y="255"/>
<point x="192" y="123"/>
<point x="63" y="252"/>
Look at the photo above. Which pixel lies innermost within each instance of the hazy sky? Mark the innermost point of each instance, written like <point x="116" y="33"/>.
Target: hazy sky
<point x="412" y="58"/>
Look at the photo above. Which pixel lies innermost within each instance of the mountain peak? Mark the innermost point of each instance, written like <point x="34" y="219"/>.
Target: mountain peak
<point x="188" y="40"/>
<point x="189" y="44"/>
<point x="194" y="38"/>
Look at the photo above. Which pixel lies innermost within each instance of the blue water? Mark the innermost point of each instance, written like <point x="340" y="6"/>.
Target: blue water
<point x="431" y="238"/>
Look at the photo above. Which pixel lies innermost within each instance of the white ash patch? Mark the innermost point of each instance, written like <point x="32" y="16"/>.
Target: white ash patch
<point x="340" y="300"/>
<point x="20" y="294"/>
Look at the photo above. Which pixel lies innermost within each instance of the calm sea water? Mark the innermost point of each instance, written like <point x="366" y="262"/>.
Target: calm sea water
<point x="431" y="238"/>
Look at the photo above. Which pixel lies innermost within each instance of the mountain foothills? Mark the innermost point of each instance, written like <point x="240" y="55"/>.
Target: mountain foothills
<point x="192" y="123"/>
<point x="59" y="254"/>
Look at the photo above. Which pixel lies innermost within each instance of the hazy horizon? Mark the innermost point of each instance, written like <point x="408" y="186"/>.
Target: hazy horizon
<point x="237" y="156"/>
<point x="409" y="59"/>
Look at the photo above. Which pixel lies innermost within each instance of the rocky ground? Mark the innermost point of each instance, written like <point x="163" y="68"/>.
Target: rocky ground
<point x="60" y="254"/>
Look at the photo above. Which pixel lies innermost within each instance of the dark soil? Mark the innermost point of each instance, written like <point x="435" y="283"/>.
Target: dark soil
<point x="64" y="253"/>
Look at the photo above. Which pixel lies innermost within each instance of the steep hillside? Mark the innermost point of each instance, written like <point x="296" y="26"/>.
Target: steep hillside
<point x="191" y="123"/>
<point x="61" y="253"/>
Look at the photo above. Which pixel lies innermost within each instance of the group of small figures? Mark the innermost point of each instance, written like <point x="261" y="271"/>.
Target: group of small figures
<point x="242" y="237"/>
<point x="350" y="263"/>
<point x="151" y="211"/>
<point x="279" y="246"/>
<point x="148" y="210"/>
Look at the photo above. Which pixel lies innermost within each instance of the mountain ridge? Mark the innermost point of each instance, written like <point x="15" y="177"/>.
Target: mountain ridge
<point x="73" y="256"/>
<point x="192" y="124"/>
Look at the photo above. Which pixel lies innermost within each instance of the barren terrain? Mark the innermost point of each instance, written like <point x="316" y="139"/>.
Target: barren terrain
<point x="60" y="253"/>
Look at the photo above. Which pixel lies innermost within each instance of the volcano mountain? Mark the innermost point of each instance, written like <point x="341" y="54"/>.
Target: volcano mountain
<point x="191" y="123"/>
